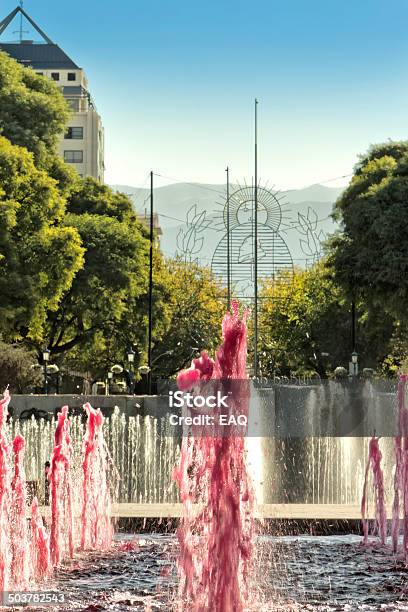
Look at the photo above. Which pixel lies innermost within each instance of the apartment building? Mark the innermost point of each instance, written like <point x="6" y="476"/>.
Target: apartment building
<point x="83" y="142"/>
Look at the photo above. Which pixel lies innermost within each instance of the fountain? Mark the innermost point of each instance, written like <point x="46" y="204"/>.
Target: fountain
<point x="28" y="553"/>
<point x="216" y="541"/>
<point x="400" y="502"/>
<point x="303" y="445"/>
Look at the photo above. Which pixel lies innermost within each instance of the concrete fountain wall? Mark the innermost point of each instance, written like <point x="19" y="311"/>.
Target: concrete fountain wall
<point x="306" y="443"/>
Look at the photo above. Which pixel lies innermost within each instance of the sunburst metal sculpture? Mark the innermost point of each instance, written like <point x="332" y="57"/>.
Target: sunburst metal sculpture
<point x="273" y="254"/>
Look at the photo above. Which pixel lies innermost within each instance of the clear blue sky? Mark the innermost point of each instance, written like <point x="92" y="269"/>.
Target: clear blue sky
<point x="175" y="82"/>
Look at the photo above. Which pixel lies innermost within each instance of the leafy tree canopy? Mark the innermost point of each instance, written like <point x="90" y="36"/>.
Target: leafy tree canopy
<point x="33" y="112"/>
<point x="196" y="305"/>
<point x="370" y="254"/>
<point x="39" y="256"/>
<point x="93" y="198"/>
<point x="114" y="274"/>
<point x="16" y="369"/>
<point x="305" y="326"/>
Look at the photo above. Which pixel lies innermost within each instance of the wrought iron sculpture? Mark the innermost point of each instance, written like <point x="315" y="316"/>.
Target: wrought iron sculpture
<point x="190" y="239"/>
<point x="273" y="254"/>
<point x="311" y="242"/>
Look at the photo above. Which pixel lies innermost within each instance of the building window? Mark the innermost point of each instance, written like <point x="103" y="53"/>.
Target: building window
<point x="74" y="103"/>
<point x="71" y="76"/>
<point x="74" y="157"/>
<point x="55" y="76"/>
<point x="74" y="133"/>
<point x="40" y="73"/>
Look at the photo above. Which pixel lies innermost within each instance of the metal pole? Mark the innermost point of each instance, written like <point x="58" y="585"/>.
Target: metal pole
<point x="256" y="246"/>
<point x="353" y="326"/>
<point x="149" y="344"/>
<point x="45" y="379"/>
<point x="228" y="244"/>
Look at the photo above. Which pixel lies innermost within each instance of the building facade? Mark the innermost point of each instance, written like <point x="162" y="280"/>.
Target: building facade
<point x="82" y="145"/>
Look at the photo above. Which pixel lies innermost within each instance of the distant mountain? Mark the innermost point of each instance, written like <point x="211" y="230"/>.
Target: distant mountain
<point x="313" y="193"/>
<point x="306" y="216"/>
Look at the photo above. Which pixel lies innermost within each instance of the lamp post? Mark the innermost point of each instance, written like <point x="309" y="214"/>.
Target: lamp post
<point x="109" y="382"/>
<point x="54" y="369"/>
<point x="144" y="370"/>
<point x="354" y="363"/>
<point x="131" y="360"/>
<point x="46" y="358"/>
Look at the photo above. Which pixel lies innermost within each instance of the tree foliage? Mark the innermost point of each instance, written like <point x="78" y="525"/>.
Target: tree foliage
<point x="33" y="112"/>
<point x="16" y="369"/>
<point x="195" y="307"/>
<point x="113" y="276"/>
<point x="91" y="197"/>
<point x="305" y="327"/>
<point x="370" y="254"/>
<point x="39" y="255"/>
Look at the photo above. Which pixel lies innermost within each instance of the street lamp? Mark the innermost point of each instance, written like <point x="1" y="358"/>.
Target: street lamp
<point x="131" y="356"/>
<point x="109" y="382"/>
<point x="46" y="358"/>
<point x="354" y="363"/>
<point x="54" y="369"/>
<point x="131" y="360"/>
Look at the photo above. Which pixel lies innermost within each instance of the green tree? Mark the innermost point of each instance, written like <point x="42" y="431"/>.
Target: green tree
<point x="106" y="309"/>
<point x="113" y="276"/>
<point x="34" y="114"/>
<point x="196" y="305"/>
<point x="91" y="197"/>
<point x="305" y="326"/>
<point x="39" y="256"/>
<point x="110" y="342"/>
<point x="370" y="253"/>
<point x="16" y="369"/>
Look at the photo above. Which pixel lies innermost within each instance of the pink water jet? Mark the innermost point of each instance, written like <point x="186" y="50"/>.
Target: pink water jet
<point x="40" y="544"/>
<point x="19" y="537"/>
<point x="59" y="475"/>
<point x="216" y="530"/>
<point x="96" y="526"/>
<point x="374" y="461"/>
<point x="400" y="502"/>
<point x="5" y="496"/>
<point x="401" y="470"/>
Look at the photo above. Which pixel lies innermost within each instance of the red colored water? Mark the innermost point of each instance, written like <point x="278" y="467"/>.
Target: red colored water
<point x="374" y="461"/>
<point x="40" y="544"/>
<point x="400" y="502"/>
<point x="19" y="538"/>
<point x="59" y="475"/>
<point x="28" y="556"/>
<point x="216" y="492"/>
<point x="96" y="527"/>
<point x="5" y="496"/>
<point x="401" y="470"/>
